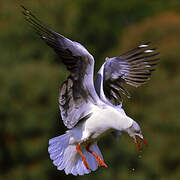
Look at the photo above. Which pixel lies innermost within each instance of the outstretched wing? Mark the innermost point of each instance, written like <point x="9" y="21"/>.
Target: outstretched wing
<point x="134" y="68"/>
<point x="77" y="92"/>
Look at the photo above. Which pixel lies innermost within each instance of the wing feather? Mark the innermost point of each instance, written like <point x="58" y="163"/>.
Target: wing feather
<point x="134" y="67"/>
<point x="77" y="93"/>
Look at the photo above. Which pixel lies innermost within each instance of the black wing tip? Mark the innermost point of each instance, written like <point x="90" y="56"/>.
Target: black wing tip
<point x="22" y="6"/>
<point x="25" y="11"/>
<point x="148" y="43"/>
<point x="153" y="49"/>
<point x="144" y="45"/>
<point x="139" y="51"/>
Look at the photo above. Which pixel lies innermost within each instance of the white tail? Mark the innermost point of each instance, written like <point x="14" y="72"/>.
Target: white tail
<point x="65" y="156"/>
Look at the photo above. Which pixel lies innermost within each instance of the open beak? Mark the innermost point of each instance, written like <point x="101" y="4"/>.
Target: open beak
<point x="137" y="141"/>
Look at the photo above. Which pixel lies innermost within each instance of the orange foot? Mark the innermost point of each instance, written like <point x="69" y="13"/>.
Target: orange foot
<point x="98" y="158"/>
<point x="82" y="156"/>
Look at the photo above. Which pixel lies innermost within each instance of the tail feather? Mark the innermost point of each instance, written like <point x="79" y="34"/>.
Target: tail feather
<point x="95" y="149"/>
<point x="80" y="168"/>
<point x="56" y="149"/>
<point x="57" y="139"/>
<point x="70" y="158"/>
<point x="93" y="161"/>
<point x="74" y="170"/>
<point x="65" y="156"/>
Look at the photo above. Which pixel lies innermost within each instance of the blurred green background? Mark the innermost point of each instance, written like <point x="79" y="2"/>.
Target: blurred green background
<point x="31" y="73"/>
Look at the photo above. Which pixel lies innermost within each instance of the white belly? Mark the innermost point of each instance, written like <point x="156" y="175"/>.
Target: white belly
<point x="103" y="121"/>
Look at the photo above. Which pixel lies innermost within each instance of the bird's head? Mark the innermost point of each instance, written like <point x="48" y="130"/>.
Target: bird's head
<point x="135" y="131"/>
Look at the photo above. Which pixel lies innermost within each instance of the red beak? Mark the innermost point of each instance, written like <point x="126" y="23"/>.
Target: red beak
<point x="138" y="144"/>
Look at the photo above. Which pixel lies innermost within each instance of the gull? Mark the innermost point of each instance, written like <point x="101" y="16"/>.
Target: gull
<point x="92" y="109"/>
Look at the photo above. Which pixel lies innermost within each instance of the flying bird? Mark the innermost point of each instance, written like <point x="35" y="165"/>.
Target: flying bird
<point x="91" y="109"/>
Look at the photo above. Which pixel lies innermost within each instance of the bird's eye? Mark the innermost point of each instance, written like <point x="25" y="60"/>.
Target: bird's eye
<point x="138" y="131"/>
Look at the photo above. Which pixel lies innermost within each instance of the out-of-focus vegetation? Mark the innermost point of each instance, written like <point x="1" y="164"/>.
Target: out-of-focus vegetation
<point x="30" y="75"/>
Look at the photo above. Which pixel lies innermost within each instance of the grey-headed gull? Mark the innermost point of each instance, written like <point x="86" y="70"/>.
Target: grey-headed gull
<point x="91" y="109"/>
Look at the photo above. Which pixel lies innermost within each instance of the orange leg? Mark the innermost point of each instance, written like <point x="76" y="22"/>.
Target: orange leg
<point x="98" y="158"/>
<point x="82" y="156"/>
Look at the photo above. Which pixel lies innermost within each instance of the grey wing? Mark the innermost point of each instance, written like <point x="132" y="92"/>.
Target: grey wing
<point x="134" y="68"/>
<point x="77" y="92"/>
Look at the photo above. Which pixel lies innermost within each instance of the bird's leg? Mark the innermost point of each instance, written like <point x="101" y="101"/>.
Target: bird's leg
<point x="98" y="158"/>
<point x="82" y="156"/>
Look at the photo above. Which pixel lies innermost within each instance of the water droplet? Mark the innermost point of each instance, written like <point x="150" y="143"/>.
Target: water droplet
<point x="132" y="169"/>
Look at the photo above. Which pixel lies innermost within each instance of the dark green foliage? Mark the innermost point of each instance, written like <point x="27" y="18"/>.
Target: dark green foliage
<point x="31" y="73"/>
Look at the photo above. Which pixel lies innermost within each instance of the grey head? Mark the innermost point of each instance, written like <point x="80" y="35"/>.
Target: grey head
<point x="135" y="131"/>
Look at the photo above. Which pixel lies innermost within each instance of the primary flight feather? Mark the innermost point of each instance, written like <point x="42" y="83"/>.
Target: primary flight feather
<point x="91" y="109"/>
